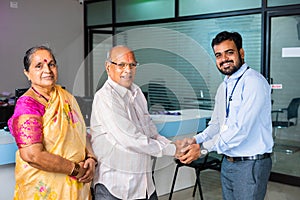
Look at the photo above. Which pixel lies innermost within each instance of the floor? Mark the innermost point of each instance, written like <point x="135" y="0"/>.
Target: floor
<point x="211" y="188"/>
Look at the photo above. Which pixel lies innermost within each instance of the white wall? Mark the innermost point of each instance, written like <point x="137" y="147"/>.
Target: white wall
<point x="58" y="23"/>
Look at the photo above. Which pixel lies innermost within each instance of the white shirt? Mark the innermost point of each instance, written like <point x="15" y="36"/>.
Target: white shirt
<point x="248" y="129"/>
<point x="124" y="138"/>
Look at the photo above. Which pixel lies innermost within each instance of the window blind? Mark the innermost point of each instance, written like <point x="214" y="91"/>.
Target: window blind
<point x="177" y="65"/>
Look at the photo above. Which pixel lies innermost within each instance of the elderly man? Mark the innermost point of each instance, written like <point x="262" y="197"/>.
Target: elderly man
<point x="123" y="136"/>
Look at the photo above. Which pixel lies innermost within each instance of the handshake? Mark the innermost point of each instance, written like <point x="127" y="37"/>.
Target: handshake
<point x="187" y="150"/>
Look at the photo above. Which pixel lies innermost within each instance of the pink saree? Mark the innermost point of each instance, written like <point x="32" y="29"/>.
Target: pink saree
<point x="60" y="127"/>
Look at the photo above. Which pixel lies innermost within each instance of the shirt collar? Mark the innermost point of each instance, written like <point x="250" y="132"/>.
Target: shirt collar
<point x="236" y="74"/>
<point x="122" y="91"/>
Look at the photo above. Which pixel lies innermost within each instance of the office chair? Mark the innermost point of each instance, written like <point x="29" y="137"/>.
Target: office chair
<point x="291" y="115"/>
<point x="85" y="104"/>
<point x="19" y="92"/>
<point x="208" y="162"/>
<point x="161" y="98"/>
<point x="3" y="125"/>
<point x="7" y="111"/>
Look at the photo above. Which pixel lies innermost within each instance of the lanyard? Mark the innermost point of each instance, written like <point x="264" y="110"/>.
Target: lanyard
<point x="230" y="97"/>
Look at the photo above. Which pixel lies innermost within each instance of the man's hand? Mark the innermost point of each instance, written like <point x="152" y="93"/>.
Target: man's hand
<point x="187" y="142"/>
<point x="182" y="146"/>
<point x="192" y="152"/>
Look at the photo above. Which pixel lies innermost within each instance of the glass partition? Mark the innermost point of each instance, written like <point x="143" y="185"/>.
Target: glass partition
<point x="196" y="7"/>
<point x="285" y="73"/>
<point x="138" y="10"/>
<point x="99" y="13"/>
<point x="282" y="2"/>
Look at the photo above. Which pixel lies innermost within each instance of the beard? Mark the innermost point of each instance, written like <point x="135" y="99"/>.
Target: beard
<point x="233" y="69"/>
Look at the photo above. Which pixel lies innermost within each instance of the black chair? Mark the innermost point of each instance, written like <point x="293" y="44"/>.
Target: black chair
<point x="7" y="111"/>
<point x="85" y="103"/>
<point x="291" y="117"/>
<point x="210" y="161"/>
<point x="19" y="92"/>
<point x="3" y="125"/>
<point x="160" y="97"/>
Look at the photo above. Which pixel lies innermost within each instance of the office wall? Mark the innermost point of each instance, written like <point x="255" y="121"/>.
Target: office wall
<point x="56" y="23"/>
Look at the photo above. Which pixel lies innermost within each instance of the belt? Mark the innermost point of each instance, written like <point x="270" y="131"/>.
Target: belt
<point x="256" y="157"/>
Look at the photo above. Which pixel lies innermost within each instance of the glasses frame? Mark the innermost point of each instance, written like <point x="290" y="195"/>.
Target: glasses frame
<point x="122" y="66"/>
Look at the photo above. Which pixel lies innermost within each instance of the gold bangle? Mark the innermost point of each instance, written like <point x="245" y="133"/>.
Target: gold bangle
<point x="92" y="157"/>
<point x="75" y="170"/>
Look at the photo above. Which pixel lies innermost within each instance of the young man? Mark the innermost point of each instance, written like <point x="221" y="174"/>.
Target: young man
<point x="240" y="126"/>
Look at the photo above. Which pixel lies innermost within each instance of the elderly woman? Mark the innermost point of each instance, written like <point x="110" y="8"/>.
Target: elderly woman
<point x="54" y="160"/>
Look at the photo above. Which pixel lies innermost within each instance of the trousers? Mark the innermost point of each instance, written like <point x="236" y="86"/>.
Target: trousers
<point x="245" y="180"/>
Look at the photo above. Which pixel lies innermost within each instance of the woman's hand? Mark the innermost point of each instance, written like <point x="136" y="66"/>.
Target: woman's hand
<point x="89" y="165"/>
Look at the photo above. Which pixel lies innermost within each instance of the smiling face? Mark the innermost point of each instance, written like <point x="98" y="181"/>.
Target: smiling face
<point x="42" y="70"/>
<point x="228" y="58"/>
<point x="124" y="76"/>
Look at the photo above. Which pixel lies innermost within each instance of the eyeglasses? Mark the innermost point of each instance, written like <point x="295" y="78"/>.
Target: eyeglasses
<point x="122" y="66"/>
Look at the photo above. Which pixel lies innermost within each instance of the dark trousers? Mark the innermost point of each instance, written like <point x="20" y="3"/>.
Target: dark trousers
<point x="102" y="193"/>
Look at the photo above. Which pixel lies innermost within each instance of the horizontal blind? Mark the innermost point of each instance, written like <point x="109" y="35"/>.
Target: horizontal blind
<point x="177" y="66"/>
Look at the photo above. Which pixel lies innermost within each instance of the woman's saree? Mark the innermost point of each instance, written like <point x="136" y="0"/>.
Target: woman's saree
<point x="60" y="127"/>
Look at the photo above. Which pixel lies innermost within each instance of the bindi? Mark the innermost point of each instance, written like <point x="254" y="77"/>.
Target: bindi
<point x="45" y="60"/>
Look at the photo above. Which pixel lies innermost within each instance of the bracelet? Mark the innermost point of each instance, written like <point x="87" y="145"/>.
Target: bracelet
<point x="92" y="157"/>
<point x="75" y="170"/>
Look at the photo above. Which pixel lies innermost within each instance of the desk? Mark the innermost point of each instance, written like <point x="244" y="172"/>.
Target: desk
<point x="190" y="121"/>
<point x="177" y="127"/>
<point x="8" y="148"/>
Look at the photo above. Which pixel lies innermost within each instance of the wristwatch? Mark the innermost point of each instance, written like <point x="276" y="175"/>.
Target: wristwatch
<point x="203" y="150"/>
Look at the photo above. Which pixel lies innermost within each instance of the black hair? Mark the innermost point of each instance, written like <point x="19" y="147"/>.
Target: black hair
<point x="32" y="50"/>
<point x="225" y="35"/>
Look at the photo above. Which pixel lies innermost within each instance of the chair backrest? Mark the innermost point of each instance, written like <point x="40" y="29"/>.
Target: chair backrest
<point x="19" y="92"/>
<point x="292" y="111"/>
<point x="160" y="97"/>
<point x="85" y="103"/>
